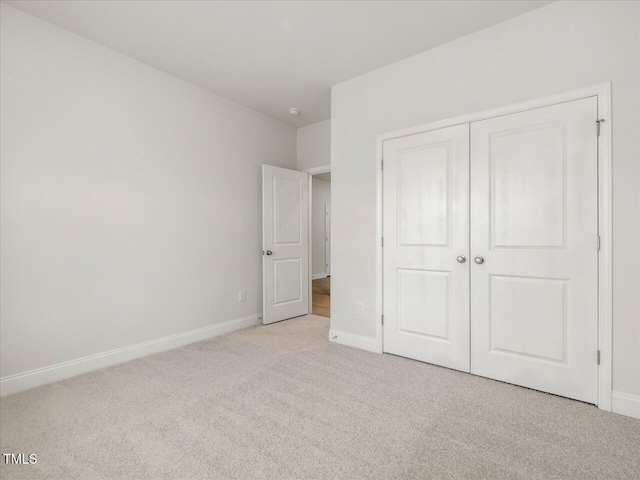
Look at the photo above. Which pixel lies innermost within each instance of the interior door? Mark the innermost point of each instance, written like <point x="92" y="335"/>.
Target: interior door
<point x="327" y="238"/>
<point x="426" y="242"/>
<point x="285" y="243"/>
<point x="534" y="211"/>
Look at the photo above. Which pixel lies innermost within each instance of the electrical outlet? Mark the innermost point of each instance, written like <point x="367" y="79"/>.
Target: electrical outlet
<point x="242" y="295"/>
<point x="360" y="308"/>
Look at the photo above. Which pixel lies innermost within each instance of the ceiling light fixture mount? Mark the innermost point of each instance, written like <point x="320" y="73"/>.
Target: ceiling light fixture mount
<point x="294" y="111"/>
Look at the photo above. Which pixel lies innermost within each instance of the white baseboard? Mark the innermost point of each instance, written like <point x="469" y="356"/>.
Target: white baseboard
<point x="352" y="340"/>
<point x="316" y="276"/>
<point x="625" y="404"/>
<point x="54" y="373"/>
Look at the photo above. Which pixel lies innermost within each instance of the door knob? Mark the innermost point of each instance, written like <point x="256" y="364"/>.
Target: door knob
<point x="479" y="260"/>
<point x="269" y="252"/>
<point x="461" y="258"/>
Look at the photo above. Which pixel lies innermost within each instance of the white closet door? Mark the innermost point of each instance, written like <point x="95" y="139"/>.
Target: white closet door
<point x="426" y="226"/>
<point x="534" y="216"/>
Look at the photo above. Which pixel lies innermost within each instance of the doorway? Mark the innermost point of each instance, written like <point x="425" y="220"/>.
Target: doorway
<point x="321" y="243"/>
<point x="320" y="240"/>
<point x="296" y="242"/>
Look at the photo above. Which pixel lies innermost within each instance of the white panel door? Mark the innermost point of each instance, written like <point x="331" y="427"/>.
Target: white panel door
<point x="534" y="215"/>
<point x="285" y="243"/>
<point x="426" y="227"/>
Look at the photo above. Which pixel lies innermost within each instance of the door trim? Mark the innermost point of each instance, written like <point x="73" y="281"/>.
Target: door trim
<point x="605" y="214"/>
<point x="318" y="170"/>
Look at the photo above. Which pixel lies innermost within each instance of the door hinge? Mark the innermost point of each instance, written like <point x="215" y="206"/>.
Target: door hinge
<point x="598" y="357"/>
<point x="598" y="122"/>
<point x="381" y="164"/>
<point x="382" y="316"/>
<point x="598" y="242"/>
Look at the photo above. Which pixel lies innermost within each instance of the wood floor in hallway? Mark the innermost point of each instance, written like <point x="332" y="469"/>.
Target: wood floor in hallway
<point x="321" y="296"/>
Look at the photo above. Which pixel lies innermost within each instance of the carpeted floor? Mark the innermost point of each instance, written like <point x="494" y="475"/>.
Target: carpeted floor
<point x="281" y="402"/>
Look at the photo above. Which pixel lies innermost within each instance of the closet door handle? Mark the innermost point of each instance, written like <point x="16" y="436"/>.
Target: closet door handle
<point x="479" y="260"/>
<point x="461" y="259"/>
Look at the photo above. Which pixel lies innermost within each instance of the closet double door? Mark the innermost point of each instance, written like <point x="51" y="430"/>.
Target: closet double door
<point x="491" y="248"/>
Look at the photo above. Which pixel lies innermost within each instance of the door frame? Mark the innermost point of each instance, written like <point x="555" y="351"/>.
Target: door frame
<point x="313" y="171"/>
<point x="605" y="213"/>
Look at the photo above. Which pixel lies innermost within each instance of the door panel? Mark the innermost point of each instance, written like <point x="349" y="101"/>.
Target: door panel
<point x="528" y="316"/>
<point x="528" y="187"/>
<point x="426" y="226"/>
<point x="285" y="224"/>
<point x="423" y="302"/>
<point x="423" y="195"/>
<point x="287" y="276"/>
<point x="287" y="211"/>
<point x="534" y="221"/>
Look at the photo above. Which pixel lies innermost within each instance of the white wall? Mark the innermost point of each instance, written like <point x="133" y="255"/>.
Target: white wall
<point x="321" y="195"/>
<point x="560" y="47"/>
<point x="314" y="145"/>
<point x="130" y="199"/>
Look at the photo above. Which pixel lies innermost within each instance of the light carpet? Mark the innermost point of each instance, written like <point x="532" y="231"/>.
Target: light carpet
<point x="281" y="402"/>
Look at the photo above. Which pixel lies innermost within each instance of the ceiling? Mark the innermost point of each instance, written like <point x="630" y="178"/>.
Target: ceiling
<point x="273" y="55"/>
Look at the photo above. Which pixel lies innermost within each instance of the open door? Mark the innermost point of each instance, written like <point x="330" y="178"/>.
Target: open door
<point x="285" y="243"/>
